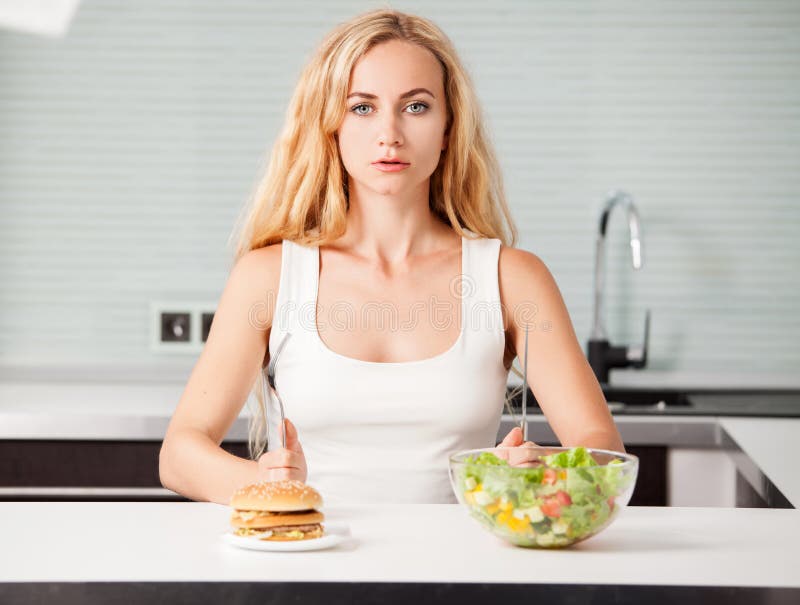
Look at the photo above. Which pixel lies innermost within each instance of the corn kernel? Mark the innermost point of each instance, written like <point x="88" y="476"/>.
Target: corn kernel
<point x="517" y="525"/>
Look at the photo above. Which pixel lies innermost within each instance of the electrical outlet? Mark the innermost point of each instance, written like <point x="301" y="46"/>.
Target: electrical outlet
<point x="206" y="317"/>
<point x="180" y="326"/>
<point x="176" y="327"/>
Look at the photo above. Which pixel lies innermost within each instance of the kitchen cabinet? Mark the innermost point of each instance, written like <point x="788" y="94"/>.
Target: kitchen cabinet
<point x="701" y="477"/>
<point x="85" y="464"/>
<point x="134" y="464"/>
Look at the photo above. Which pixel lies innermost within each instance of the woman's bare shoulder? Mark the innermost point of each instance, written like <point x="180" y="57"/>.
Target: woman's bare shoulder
<point x="260" y="263"/>
<point x="523" y="276"/>
<point x="257" y="272"/>
<point x="518" y="263"/>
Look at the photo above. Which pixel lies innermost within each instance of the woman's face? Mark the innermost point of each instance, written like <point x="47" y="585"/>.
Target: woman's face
<point x="385" y="121"/>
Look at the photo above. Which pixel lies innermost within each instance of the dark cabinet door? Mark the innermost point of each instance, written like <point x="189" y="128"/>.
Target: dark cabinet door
<point x="134" y="464"/>
<point x="85" y="464"/>
<point x="651" y="482"/>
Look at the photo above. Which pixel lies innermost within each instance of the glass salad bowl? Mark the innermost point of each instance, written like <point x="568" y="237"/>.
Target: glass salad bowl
<point x="543" y="497"/>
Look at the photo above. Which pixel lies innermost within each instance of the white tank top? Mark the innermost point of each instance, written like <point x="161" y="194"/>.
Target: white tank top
<point x="383" y="431"/>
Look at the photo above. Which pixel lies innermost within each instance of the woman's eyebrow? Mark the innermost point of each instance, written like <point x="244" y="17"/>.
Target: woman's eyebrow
<point x="410" y="93"/>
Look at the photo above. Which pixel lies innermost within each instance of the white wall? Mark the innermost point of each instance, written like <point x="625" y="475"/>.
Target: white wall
<point x="127" y="149"/>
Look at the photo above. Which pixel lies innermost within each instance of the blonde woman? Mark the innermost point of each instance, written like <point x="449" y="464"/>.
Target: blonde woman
<point x="380" y="240"/>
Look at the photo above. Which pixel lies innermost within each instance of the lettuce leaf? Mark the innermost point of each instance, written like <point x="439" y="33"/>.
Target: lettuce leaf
<point x="576" y="457"/>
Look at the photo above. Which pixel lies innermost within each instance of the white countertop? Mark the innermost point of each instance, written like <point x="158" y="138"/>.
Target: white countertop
<point x="122" y="541"/>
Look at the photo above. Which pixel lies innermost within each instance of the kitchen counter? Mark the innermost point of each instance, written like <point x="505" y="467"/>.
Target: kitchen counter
<point x="138" y="412"/>
<point x="784" y="404"/>
<point x="141" y="411"/>
<point x="763" y="447"/>
<point x="759" y="446"/>
<point x="91" y="551"/>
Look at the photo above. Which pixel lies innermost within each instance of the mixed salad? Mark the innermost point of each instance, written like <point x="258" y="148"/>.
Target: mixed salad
<point x="554" y="504"/>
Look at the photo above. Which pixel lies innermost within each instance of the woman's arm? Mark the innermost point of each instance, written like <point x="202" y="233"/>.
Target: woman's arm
<point x="191" y="461"/>
<point x="558" y="373"/>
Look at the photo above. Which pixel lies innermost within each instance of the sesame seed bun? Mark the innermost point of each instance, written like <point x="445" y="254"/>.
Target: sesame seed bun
<point x="276" y="496"/>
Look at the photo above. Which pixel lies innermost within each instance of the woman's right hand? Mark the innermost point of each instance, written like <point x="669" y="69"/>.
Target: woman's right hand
<point x="521" y="457"/>
<point x="284" y="463"/>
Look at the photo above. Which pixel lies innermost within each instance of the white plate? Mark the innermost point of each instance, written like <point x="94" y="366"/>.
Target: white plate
<point x="334" y="533"/>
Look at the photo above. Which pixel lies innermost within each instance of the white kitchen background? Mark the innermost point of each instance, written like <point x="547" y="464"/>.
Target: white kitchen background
<point x="128" y="147"/>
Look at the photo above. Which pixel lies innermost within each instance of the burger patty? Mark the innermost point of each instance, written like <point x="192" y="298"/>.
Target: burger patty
<point x="282" y="528"/>
<point x="285" y="532"/>
<point x="295" y="534"/>
<point x="256" y="519"/>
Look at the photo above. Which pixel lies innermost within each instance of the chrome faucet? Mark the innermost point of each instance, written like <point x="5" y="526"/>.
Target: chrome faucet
<point x="602" y="356"/>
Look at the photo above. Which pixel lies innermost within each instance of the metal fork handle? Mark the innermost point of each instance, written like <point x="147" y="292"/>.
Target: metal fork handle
<point x="274" y="360"/>
<point x="264" y="381"/>
<point x="269" y="376"/>
<point x="524" y="422"/>
<point x="283" y="419"/>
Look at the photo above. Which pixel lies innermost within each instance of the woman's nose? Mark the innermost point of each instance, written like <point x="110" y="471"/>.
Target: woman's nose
<point x="389" y="131"/>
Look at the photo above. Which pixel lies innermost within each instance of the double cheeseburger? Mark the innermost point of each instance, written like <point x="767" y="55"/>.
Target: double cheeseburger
<point x="288" y="509"/>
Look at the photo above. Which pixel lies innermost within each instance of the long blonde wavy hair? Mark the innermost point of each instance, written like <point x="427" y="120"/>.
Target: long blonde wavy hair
<point x="303" y="195"/>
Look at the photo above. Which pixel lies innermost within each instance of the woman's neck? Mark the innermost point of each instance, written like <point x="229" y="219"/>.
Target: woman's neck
<point x="389" y="230"/>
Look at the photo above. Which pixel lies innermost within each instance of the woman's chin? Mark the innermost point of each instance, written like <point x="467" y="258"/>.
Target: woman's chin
<point x="388" y="189"/>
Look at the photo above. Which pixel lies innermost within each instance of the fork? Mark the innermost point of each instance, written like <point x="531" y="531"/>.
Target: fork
<point x="269" y="377"/>
<point x="524" y="424"/>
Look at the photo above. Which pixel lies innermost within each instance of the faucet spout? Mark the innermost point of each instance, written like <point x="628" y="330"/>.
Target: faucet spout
<point x="613" y="199"/>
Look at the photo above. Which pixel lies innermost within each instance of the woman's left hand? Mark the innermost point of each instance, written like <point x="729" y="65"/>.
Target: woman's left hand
<point x="517" y="457"/>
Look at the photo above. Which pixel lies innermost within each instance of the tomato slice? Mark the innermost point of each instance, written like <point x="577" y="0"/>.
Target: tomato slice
<point x="549" y="477"/>
<point x="551" y="507"/>
<point x="563" y="498"/>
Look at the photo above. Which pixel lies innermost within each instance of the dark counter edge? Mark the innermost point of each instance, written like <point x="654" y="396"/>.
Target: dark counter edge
<point x="266" y="593"/>
<point x="685" y="401"/>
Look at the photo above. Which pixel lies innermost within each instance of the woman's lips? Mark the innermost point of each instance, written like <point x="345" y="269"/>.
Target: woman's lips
<point x="390" y="167"/>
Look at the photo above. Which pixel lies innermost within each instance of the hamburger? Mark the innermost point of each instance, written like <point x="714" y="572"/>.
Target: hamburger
<point x="289" y="509"/>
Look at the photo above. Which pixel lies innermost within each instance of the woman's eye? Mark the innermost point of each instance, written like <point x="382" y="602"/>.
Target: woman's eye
<point x="423" y="105"/>
<point x="355" y="109"/>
